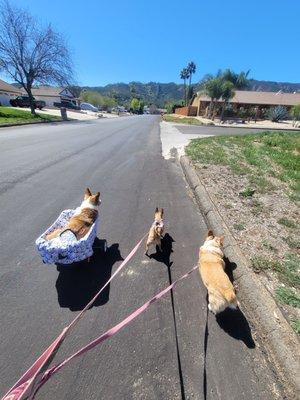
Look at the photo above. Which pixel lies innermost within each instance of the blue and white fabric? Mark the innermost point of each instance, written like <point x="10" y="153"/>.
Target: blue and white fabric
<point x="66" y="249"/>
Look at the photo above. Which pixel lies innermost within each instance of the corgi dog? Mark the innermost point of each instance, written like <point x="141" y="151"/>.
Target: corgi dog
<point x="156" y="230"/>
<point x="221" y="293"/>
<point x="83" y="218"/>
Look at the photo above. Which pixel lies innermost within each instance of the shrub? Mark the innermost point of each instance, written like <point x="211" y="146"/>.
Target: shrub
<point x="295" y="113"/>
<point x="278" y="113"/>
<point x="171" y="107"/>
<point x="288" y="296"/>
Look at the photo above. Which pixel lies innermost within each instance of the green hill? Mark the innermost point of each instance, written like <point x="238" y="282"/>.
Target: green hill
<point x="161" y="93"/>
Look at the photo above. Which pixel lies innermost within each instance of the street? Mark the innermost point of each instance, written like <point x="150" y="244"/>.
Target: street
<point x="161" y="355"/>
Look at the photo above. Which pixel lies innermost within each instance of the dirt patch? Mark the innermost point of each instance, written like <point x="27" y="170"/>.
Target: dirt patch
<point x="260" y="210"/>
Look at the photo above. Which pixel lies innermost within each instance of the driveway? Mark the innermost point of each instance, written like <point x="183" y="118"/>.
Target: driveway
<point x="177" y="136"/>
<point x="171" y="352"/>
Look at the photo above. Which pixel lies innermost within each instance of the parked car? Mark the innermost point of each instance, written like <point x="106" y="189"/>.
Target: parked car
<point x="67" y="104"/>
<point x="88" y="107"/>
<point x="23" y="101"/>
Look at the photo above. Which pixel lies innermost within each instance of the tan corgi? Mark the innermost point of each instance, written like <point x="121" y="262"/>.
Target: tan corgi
<point x="83" y="218"/>
<point x="156" y="230"/>
<point x="221" y="292"/>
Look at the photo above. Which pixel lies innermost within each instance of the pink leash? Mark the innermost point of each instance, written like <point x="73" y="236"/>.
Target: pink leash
<point x="112" y="331"/>
<point x="37" y="375"/>
<point x="26" y="385"/>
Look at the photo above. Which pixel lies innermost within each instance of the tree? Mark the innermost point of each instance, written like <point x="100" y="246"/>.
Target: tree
<point x="227" y="94"/>
<point x="92" y="97"/>
<point x="135" y="105"/>
<point x="191" y="70"/>
<point x="30" y="53"/>
<point x="213" y="88"/>
<point x="222" y="85"/>
<point x="184" y="74"/>
<point x="240" y="81"/>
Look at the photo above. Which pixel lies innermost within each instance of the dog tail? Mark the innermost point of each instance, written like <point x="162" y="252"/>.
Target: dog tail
<point x="231" y="298"/>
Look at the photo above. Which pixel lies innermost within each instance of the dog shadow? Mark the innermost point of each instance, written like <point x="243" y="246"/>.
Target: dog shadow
<point x="167" y="249"/>
<point x="234" y="322"/>
<point x="78" y="283"/>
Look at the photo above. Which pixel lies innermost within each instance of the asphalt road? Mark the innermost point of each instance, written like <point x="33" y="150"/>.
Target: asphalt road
<point x="44" y="169"/>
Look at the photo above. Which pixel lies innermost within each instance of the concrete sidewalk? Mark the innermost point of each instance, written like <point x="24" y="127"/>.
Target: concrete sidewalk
<point x="76" y="115"/>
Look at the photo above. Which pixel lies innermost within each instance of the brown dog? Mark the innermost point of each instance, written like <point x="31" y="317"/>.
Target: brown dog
<point x="83" y="218"/>
<point x="221" y="292"/>
<point x="156" y="230"/>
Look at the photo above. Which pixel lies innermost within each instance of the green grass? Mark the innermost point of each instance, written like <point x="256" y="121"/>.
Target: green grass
<point x="239" y="227"/>
<point x="263" y="264"/>
<point x="287" y="223"/>
<point x="296" y="325"/>
<point x="248" y="192"/>
<point x="259" y="156"/>
<point x="293" y="243"/>
<point x="287" y="296"/>
<point x="287" y="270"/>
<point x="185" y="120"/>
<point x="10" y="115"/>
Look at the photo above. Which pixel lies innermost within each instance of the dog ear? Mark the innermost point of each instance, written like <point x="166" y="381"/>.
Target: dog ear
<point x="97" y="196"/>
<point x="210" y="233"/>
<point x="162" y="212"/>
<point x="87" y="193"/>
<point x="156" y="210"/>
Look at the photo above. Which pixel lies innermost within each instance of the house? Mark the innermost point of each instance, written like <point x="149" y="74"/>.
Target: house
<point x="243" y="100"/>
<point x="51" y="94"/>
<point x="7" y="92"/>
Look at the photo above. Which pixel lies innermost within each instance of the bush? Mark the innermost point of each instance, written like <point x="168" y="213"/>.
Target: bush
<point x="275" y="114"/>
<point x="295" y="113"/>
<point x="171" y="106"/>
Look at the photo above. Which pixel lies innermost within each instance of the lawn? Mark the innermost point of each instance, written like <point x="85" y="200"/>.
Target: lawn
<point x="254" y="180"/>
<point x="10" y="115"/>
<point x="184" y="120"/>
<point x="260" y="157"/>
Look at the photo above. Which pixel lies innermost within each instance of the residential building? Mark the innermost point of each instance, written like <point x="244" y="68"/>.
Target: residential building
<point x="243" y="100"/>
<point x="51" y="94"/>
<point x="8" y="92"/>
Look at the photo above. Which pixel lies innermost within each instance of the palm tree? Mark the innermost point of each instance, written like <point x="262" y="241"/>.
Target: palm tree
<point x="184" y="74"/>
<point x="192" y="69"/>
<point x="240" y="81"/>
<point x="213" y="88"/>
<point x="227" y="94"/>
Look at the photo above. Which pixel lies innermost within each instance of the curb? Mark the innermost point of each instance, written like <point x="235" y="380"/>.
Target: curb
<point x="31" y="123"/>
<point x="280" y="341"/>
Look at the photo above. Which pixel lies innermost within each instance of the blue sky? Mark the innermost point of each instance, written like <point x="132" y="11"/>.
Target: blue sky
<point x="122" y="41"/>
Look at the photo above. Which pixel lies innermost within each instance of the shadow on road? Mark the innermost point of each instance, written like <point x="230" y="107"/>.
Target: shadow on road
<point x="234" y="322"/>
<point x="77" y="283"/>
<point x="164" y="258"/>
<point x="167" y="250"/>
<point x="205" y="342"/>
<point x="236" y="325"/>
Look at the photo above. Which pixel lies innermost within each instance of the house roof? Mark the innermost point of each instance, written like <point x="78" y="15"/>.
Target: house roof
<point x="6" y="87"/>
<point x="268" y="98"/>
<point x="49" y="91"/>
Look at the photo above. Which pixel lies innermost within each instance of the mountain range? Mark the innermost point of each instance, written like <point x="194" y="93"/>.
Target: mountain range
<point x="162" y="93"/>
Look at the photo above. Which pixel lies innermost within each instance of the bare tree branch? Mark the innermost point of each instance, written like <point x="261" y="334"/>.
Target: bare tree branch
<point x="30" y="53"/>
